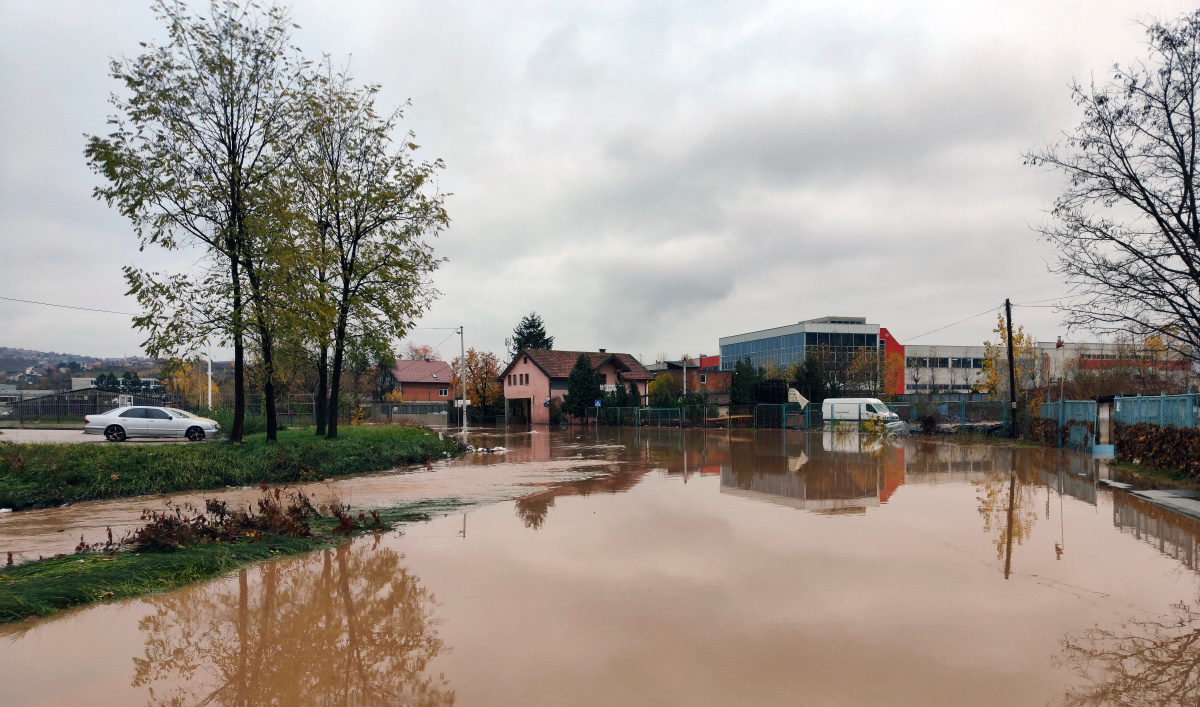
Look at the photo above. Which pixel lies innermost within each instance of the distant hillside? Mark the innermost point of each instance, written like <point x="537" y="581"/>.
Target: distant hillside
<point x="12" y="359"/>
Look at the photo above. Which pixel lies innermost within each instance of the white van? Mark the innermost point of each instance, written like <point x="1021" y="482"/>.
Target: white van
<point x="855" y="410"/>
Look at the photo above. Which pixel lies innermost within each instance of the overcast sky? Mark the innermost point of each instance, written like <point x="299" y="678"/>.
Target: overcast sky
<point x="648" y="176"/>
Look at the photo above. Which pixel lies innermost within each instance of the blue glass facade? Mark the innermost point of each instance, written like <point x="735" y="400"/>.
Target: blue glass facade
<point x="788" y="348"/>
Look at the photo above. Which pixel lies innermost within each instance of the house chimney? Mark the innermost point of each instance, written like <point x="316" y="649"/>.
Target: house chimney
<point x="603" y="350"/>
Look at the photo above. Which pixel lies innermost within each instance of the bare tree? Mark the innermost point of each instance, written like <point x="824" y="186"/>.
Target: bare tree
<point x="1127" y="226"/>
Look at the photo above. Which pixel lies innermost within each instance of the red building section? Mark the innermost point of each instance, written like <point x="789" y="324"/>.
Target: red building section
<point x="709" y="363"/>
<point x="891" y="346"/>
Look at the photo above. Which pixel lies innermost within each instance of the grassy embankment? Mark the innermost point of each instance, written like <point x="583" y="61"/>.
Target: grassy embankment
<point x="43" y="587"/>
<point x="41" y="475"/>
<point x="1148" y="477"/>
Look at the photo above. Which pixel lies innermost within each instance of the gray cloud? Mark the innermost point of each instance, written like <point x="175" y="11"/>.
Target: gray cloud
<point x="648" y="177"/>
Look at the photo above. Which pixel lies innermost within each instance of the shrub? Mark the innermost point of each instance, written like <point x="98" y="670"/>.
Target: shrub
<point x="1170" y="447"/>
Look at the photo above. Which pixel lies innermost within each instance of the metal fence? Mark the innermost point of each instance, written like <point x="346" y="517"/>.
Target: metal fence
<point x="1163" y="410"/>
<point x="1077" y="418"/>
<point x="789" y="415"/>
<point x="69" y="408"/>
<point x="962" y="416"/>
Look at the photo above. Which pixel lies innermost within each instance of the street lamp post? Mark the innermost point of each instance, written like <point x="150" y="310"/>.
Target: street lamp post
<point x="462" y="376"/>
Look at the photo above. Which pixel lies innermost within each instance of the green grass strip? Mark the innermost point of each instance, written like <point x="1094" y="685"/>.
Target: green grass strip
<point x="42" y="475"/>
<point x="43" y="587"/>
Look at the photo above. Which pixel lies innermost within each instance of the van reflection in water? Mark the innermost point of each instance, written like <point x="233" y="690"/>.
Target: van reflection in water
<point x="848" y="474"/>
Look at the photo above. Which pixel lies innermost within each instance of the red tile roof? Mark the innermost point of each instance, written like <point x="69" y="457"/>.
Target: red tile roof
<point x="558" y="364"/>
<point x="422" y="372"/>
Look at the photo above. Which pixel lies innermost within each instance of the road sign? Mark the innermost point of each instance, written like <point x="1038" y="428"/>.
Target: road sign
<point x="597" y="402"/>
<point x="459" y="403"/>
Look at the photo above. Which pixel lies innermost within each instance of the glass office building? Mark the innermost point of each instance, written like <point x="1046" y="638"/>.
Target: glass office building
<point x="840" y="336"/>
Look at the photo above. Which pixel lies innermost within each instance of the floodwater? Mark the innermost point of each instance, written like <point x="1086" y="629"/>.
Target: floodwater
<point x="661" y="566"/>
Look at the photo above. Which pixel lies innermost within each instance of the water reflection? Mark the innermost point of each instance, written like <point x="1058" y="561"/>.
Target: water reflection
<point x="1142" y="662"/>
<point x="533" y="508"/>
<point x="846" y="474"/>
<point x="345" y="626"/>
<point x="1173" y="534"/>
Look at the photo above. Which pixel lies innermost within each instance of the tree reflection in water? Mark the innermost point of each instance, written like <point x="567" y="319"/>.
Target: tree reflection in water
<point x="1007" y="504"/>
<point x="348" y="625"/>
<point x="533" y="508"/>
<point x="1151" y="662"/>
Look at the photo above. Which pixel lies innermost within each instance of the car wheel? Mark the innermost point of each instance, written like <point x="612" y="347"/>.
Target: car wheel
<point x="115" y="433"/>
<point x="195" y="434"/>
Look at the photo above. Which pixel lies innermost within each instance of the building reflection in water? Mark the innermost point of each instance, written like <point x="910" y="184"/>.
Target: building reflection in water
<point x="343" y="626"/>
<point x="833" y="474"/>
<point x="1140" y="661"/>
<point x="1173" y="534"/>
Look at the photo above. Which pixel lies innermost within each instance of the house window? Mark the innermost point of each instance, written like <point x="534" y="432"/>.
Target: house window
<point x="443" y="392"/>
<point x="602" y="378"/>
<point x="703" y="378"/>
<point x="526" y="359"/>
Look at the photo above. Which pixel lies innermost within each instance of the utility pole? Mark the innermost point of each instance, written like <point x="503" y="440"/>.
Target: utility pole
<point x="1012" y="373"/>
<point x="462" y="376"/>
<point x="209" y="357"/>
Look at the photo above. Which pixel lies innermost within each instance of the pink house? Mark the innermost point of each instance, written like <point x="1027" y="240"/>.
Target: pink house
<point x="535" y="376"/>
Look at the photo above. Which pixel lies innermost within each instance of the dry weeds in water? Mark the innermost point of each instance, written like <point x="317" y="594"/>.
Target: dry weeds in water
<point x="288" y="514"/>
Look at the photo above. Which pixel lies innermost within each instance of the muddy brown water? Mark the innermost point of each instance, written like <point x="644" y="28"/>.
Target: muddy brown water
<point x="651" y="567"/>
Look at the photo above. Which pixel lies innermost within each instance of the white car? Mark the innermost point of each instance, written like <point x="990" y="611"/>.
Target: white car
<point x="143" y="421"/>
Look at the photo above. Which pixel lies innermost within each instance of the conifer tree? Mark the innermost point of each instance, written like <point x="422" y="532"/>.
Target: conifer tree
<point x="530" y="333"/>
<point x="583" y="388"/>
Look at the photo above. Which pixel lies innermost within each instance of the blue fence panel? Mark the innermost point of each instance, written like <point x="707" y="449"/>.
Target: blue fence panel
<point x="1077" y="416"/>
<point x="1174" y="410"/>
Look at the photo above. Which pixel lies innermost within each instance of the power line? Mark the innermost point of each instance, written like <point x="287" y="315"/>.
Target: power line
<point x="1039" y="301"/>
<point x="67" y="306"/>
<point x="973" y="316"/>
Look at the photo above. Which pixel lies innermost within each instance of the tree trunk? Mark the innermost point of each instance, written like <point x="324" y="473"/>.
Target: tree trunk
<point x="322" y="401"/>
<point x="239" y="360"/>
<point x="268" y="355"/>
<point x="335" y="373"/>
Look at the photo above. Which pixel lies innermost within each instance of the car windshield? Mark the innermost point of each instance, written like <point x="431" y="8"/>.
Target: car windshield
<point x="178" y="413"/>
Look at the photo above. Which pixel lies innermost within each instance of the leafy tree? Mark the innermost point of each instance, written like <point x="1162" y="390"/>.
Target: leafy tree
<point x="893" y="374"/>
<point x="483" y="381"/>
<point x="530" y="333"/>
<point x="619" y="398"/>
<point x="773" y="371"/>
<point x="583" y="388"/>
<point x="108" y="382"/>
<point x="421" y="352"/>
<point x="203" y="130"/>
<point x="664" y="391"/>
<point x="993" y="377"/>
<point x="368" y="210"/>
<point x="811" y="380"/>
<point x="1127" y="225"/>
<point x="187" y="379"/>
<point x="131" y="382"/>
<point x="741" y="387"/>
<point x="865" y="373"/>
